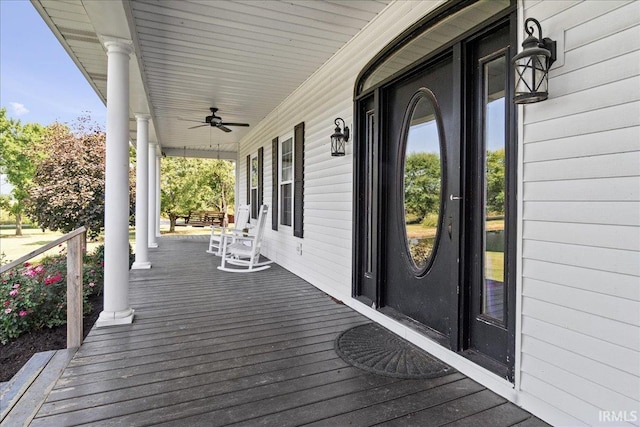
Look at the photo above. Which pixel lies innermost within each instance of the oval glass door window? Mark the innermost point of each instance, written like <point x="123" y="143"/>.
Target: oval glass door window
<point x="422" y="178"/>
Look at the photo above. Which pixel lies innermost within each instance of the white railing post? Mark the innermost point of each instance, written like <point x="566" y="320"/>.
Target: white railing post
<point x="75" y="252"/>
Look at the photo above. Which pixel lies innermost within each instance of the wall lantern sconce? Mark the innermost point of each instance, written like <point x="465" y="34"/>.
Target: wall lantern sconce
<point x="532" y="66"/>
<point x="339" y="138"/>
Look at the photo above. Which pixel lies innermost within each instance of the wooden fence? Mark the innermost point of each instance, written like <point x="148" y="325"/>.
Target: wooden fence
<point x="76" y="244"/>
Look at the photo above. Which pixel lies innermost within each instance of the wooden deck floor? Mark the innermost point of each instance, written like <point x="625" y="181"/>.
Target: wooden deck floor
<point x="212" y="348"/>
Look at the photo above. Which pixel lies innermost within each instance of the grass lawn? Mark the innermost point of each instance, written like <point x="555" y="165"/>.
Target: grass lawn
<point x="13" y="247"/>
<point x="418" y="230"/>
<point x="494" y="270"/>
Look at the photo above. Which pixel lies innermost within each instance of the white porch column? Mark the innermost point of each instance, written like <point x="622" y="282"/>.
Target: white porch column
<point x="152" y="243"/>
<point x="116" y="218"/>
<point x="142" y="193"/>
<point x="158" y="200"/>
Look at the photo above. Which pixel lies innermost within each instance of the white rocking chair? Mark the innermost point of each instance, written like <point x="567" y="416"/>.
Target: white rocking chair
<point x="219" y="233"/>
<point x="238" y="253"/>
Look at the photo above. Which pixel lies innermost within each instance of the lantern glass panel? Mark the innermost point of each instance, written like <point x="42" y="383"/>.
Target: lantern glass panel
<point x="337" y="145"/>
<point x="531" y="79"/>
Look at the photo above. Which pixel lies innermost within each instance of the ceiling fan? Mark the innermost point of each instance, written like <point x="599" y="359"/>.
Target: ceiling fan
<point x="216" y="121"/>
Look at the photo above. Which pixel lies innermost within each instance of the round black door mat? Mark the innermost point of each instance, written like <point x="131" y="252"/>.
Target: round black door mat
<point x="375" y="349"/>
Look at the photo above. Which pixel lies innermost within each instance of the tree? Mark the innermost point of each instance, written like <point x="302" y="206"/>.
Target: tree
<point x="5" y="202"/>
<point x="422" y="184"/>
<point x="68" y="189"/>
<point x="189" y="185"/>
<point x="181" y="188"/>
<point x="68" y="186"/>
<point x="18" y="157"/>
<point x="222" y="182"/>
<point x="495" y="181"/>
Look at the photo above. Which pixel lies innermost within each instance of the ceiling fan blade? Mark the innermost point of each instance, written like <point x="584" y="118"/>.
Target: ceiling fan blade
<point x="223" y="128"/>
<point x="199" y="126"/>
<point x="235" y="124"/>
<point x="182" y="119"/>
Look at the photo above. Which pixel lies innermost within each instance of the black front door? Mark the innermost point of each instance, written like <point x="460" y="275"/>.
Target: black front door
<point x="420" y="208"/>
<point x="435" y="214"/>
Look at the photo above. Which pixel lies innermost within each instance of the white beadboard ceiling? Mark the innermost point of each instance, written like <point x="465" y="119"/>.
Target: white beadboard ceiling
<point x="243" y="57"/>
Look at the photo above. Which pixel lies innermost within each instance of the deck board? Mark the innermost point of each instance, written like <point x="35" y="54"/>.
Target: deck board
<point x="309" y="413"/>
<point x="213" y="348"/>
<point x="438" y="415"/>
<point x="448" y="394"/>
<point x="498" y="416"/>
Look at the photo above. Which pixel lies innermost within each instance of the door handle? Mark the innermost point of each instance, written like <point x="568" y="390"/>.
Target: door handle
<point x="450" y="227"/>
<point x="452" y="197"/>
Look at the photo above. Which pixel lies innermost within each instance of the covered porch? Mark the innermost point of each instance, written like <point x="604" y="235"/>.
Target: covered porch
<point x="263" y="84"/>
<point x="213" y="348"/>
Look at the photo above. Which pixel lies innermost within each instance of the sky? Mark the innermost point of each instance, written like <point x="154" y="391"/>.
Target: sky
<point x="39" y="83"/>
<point x="424" y="137"/>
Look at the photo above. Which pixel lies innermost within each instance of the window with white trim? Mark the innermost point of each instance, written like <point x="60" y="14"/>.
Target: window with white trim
<point x="254" y="187"/>
<point x="286" y="181"/>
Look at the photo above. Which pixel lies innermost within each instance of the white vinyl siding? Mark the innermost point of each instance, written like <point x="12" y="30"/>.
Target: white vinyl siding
<point x="581" y="216"/>
<point x="326" y="255"/>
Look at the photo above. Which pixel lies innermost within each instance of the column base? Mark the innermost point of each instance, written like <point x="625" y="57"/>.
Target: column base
<point x="152" y="245"/>
<point x="113" y="318"/>
<point x="141" y="265"/>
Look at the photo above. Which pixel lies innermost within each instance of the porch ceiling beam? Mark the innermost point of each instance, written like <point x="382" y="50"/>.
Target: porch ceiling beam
<point x="201" y="154"/>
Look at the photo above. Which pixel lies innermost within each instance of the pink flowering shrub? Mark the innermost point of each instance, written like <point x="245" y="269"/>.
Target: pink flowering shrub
<point x="35" y="296"/>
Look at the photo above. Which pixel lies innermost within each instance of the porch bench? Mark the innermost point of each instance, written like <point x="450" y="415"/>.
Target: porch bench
<point x="204" y="218"/>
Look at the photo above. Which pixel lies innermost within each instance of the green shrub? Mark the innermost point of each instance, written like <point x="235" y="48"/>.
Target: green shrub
<point x="430" y="220"/>
<point x="35" y="296"/>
